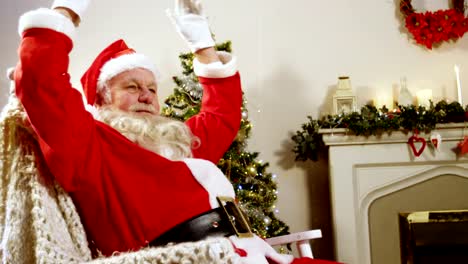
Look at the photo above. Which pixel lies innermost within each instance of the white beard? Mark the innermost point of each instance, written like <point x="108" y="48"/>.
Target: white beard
<point x="167" y="137"/>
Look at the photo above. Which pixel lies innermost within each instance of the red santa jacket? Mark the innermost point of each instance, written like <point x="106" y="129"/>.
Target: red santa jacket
<point x="126" y="196"/>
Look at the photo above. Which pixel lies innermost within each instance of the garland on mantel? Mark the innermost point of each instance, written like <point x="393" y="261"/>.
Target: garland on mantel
<point x="372" y="121"/>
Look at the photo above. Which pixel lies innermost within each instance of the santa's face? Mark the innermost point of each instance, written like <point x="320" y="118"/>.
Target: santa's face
<point x="135" y="91"/>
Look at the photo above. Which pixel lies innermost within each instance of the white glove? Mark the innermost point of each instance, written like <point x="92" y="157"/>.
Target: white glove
<point x="191" y="24"/>
<point x="77" y="6"/>
<point x="258" y="250"/>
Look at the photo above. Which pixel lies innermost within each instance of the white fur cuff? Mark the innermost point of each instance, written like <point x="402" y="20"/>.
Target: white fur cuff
<point x="227" y="68"/>
<point x="211" y="178"/>
<point x="46" y="18"/>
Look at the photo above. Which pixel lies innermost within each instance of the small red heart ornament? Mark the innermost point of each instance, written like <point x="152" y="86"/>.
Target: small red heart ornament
<point x="416" y="139"/>
<point x="436" y="140"/>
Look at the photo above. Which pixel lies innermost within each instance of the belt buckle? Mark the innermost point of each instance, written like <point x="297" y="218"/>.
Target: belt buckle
<point x="236" y="217"/>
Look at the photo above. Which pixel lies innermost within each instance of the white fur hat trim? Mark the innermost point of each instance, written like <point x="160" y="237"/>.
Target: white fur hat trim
<point x="124" y="63"/>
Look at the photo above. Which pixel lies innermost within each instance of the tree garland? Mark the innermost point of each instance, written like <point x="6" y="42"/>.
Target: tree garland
<point x="308" y="141"/>
<point x="431" y="28"/>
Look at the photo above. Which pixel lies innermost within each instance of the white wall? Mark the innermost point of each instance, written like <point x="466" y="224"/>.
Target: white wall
<point x="290" y="55"/>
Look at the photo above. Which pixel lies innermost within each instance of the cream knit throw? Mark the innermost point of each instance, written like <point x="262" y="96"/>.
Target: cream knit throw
<point x="39" y="223"/>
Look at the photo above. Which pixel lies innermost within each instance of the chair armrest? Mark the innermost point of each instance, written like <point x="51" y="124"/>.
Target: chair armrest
<point x="301" y="239"/>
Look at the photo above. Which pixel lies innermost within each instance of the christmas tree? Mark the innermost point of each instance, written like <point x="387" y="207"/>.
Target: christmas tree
<point x="256" y="189"/>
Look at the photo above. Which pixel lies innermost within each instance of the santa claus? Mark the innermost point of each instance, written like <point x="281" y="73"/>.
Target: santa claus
<point x="136" y="178"/>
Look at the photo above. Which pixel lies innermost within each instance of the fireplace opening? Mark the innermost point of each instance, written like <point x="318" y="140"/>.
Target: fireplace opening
<point x="434" y="237"/>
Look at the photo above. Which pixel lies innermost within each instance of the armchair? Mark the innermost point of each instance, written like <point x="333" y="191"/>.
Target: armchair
<point x="39" y="223"/>
<point x="301" y="239"/>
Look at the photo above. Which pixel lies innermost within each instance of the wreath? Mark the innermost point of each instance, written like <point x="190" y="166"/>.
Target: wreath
<point x="431" y="28"/>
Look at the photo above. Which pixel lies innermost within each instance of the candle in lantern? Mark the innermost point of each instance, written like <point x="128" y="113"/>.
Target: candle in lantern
<point x="423" y="97"/>
<point x="457" y="76"/>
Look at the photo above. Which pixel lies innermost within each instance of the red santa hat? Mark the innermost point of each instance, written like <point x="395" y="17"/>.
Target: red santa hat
<point x="114" y="59"/>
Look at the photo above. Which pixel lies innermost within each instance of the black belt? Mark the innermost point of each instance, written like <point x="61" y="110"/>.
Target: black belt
<point x="225" y="220"/>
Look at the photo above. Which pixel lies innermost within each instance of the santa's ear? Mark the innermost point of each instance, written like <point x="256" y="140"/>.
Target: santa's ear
<point x="11" y="73"/>
<point x="11" y="76"/>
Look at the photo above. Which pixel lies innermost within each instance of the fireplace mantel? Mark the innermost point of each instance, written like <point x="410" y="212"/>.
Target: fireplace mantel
<point x="363" y="169"/>
<point x="341" y="136"/>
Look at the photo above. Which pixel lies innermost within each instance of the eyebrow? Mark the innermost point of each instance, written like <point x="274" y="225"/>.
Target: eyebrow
<point x="133" y="80"/>
<point x="152" y="84"/>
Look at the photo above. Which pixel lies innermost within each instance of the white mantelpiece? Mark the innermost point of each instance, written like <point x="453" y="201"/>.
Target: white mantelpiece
<point x="363" y="169"/>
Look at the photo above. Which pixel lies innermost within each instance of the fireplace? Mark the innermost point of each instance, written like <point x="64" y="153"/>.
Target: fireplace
<point x="374" y="179"/>
<point x="387" y="231"/>
<point x="434" y="237"/>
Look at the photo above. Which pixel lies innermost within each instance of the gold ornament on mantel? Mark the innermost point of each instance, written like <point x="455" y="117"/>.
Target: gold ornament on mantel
<point x="344" y="100"/>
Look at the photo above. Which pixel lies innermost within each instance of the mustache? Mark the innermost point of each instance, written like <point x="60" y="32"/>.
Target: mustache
<point x="137" y="107"/>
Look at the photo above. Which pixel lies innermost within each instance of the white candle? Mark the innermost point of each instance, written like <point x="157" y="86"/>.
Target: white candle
<point x="382" y="100"/>
<point x="459" y="92"/>
<point x="424" y="96"/>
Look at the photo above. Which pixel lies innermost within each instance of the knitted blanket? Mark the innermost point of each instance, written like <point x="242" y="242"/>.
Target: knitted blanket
<point x="39" y="222"/>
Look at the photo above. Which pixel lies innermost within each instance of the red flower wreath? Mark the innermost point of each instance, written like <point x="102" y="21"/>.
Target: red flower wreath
<point x="431" y="28"/>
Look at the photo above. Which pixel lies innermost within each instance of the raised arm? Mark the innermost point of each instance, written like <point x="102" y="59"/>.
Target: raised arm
<point x="55" y="109"/>
<point x="219" y="119"/>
